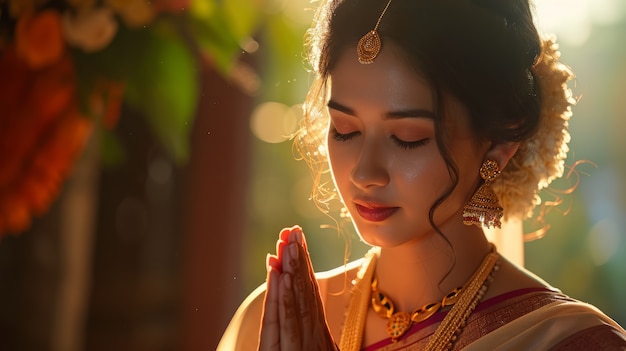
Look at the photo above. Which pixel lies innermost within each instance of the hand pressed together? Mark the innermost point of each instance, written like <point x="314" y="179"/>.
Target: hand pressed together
<point x="293" y="315"/>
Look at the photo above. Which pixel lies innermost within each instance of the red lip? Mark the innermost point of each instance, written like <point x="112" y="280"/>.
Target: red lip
<point x="375" y="213"/>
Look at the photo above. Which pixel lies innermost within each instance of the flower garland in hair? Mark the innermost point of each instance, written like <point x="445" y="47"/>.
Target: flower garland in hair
<point x="541" y="158"/>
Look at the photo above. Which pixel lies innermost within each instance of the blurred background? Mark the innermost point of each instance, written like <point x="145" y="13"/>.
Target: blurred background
<point x="146" y="169"/>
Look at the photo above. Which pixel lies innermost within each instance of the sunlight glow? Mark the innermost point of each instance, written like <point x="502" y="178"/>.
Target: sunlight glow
<point x="274" y="122"/>
<point x="572" y="21"/>
<point x="603" y="241"/>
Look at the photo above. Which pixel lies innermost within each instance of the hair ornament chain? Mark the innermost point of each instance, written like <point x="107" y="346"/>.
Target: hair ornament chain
<point x="369" y="45"/>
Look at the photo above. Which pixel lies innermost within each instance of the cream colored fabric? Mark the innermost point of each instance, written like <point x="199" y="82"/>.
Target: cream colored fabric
<point x="537" y="330"/>
<point x="242" y="334"/>
<point x="543" y="328"/>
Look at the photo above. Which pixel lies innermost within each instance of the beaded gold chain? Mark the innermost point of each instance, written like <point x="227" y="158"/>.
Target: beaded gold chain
<point x="463" y="303"/>
<point x="452" y="325"/>
<point x="399" y="322"/>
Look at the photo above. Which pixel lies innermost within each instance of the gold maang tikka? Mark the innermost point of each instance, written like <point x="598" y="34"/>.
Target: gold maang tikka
<point x="369" y="45"/>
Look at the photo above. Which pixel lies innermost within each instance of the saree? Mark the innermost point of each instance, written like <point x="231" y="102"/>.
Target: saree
<point x="526" y="319"/>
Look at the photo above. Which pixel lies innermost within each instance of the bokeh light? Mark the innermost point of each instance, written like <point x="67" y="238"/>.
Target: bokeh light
<point x="274" y="122"/>
<point x="574" y="20"/>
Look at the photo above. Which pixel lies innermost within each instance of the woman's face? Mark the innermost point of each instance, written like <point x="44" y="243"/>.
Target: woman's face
<point x="383" y="151"/>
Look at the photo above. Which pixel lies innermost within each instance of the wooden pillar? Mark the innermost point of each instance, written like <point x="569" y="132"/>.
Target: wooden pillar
<point x="214" y="218"/>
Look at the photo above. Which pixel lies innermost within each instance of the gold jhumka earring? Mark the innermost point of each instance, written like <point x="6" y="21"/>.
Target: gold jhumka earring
<point x="369" y="45"/>
<point x="484" y="209"/>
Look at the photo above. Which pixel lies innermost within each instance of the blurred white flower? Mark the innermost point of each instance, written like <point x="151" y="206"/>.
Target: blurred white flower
<point x="90" y="29"/>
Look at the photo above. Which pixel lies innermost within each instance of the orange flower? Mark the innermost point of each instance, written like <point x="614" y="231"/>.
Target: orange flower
<point x="42" y="96"/>
<point x="39" y="38"/>
<point x="106" y="102"/>
<point x="41" y="134"/>
<point x="33" y="191"/>
<point x="14" y="74"/>
<point x="53" y="89"/>
<point x="14" y="215"/>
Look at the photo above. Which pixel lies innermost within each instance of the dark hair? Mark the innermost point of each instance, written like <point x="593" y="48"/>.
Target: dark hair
<point x="479" y="51"/>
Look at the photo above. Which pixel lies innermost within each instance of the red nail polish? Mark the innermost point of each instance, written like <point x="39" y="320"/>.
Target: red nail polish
<point x="280" y="246"/>
<point x="273" y="263"/>
<point x="284" y="234"/>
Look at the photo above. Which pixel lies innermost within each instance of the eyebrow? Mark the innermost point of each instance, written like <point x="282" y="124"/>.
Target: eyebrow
<point x="408" y="113"/>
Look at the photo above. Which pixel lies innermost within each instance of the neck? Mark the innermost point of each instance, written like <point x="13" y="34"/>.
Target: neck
<point x="423" y="271"/>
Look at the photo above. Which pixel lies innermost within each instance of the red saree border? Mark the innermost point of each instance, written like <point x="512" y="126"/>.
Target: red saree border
<point x="488" y="316"/>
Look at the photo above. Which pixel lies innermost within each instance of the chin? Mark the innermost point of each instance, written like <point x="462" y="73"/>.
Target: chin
<point x="379" y="238"/>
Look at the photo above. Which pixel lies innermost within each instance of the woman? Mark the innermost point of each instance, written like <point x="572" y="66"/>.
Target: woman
<point x="438" y="118"/>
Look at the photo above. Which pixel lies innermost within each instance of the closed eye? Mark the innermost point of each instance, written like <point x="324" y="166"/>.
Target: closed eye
<point x="343" y="137"/>
<point x="409" y="145"/>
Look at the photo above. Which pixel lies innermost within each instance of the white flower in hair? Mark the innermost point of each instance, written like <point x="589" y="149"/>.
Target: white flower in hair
<point x="540" y="159"/>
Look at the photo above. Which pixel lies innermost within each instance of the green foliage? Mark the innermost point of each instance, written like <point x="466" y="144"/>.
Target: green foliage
<point x="164" y="87"/>
<point x="112" y="151"/>
<point x="220" y="27"/>
<point x="214" y="36"/>
<point x="159" y="65"/>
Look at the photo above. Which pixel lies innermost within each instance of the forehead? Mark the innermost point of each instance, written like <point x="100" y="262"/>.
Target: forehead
<point x="388" y="81"/>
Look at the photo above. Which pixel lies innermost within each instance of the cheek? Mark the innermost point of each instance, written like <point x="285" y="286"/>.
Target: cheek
<point x="340" y="159"/>
<point x="422" y="180"/>
<point x="425" y="171"/>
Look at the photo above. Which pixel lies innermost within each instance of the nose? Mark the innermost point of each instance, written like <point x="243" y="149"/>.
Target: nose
<point x="370" y="169"/>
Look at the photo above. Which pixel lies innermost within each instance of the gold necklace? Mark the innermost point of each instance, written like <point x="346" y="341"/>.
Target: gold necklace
<point x="399" y="322"/>
<point x="447" y="331"/>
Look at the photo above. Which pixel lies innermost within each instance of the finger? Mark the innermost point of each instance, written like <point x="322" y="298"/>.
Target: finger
<point x="311" y="315"/>
<point x="296" y="235"/>
<point x="304" y="299"/>
<point x="303" y="259"/>
<point x="270" y="328"/>
<point x="284" y="234"/>
<point x="307" y="301"/>
<point x="290" y="333"/>
<point x="296" y="261"/>
<point x="280" y="246"/>
<point x="271" y="261"/>
<point x="310" y="306"/>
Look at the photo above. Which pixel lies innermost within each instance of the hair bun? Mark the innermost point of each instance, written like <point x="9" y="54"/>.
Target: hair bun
<point x="541" y="158"/>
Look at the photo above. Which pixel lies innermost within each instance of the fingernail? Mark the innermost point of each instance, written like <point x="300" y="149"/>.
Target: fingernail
<point x="284" y="234"/>
<point x="268" y="265"/>
<point x="280" y="245"/>
<point x="272" y="263"/>
<point x="298" y="236"/>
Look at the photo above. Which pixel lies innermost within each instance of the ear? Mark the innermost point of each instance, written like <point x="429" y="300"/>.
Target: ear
<point x="502" y="153"/>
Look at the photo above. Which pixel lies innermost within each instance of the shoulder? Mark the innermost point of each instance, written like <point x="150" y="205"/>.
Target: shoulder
<point x="339" y="274"/>
<point x="242" y="333"/>
<point x="335" y="286"/>
<point x="547" y="320"/>
<point x="599" y="337"/>
<point x="591" y="329"/>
